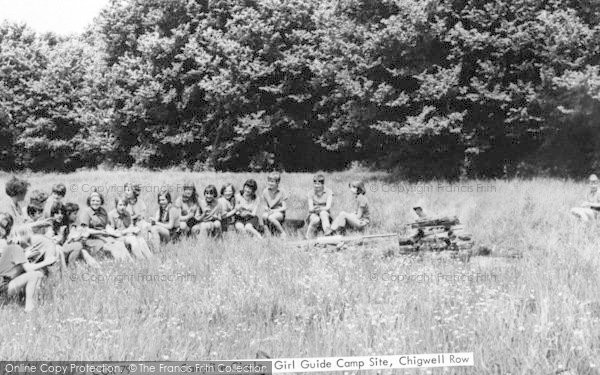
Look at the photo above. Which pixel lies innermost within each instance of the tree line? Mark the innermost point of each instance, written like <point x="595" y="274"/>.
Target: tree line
<point x="424" y="88"/>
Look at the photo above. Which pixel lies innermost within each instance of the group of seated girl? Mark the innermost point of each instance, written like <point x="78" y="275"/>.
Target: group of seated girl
<point x="49" y="231"/>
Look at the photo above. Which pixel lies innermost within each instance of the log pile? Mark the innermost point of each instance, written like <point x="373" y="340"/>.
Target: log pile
<point x="436" y="234"/>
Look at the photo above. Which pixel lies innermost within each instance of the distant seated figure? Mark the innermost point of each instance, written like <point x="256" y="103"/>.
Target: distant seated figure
<point x="589" y="209"/>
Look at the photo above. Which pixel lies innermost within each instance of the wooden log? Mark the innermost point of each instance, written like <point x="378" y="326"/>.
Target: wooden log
<point x="336" y="240"/>
<point x="446" y="221"/>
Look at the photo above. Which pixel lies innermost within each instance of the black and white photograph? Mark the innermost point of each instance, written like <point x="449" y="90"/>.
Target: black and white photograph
<point x="300" y="186"/>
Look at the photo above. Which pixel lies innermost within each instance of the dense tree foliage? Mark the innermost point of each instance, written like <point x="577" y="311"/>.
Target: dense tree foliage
<point x="438" y="88"/>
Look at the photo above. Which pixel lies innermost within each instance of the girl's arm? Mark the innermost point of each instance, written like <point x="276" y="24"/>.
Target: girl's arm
<point x="191" y="213"/>
<point x="49" y="259"/>
<point x="270" y="202"/>
<point x="328" y="204"/>
<point x="254" y="211"/>
<point x="283" y="200"/>
<point x="171" y="224"/>
<point x="49" y="232"/>
<point x="311" y="207"/>
<point x="110" y="229"/>
<point x="230" y="213"/>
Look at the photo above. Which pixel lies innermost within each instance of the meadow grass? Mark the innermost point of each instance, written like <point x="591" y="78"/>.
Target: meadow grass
<point x="538" y="314"/>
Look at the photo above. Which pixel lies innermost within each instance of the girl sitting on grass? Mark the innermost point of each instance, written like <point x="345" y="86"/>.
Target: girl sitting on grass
<point x="71" y="237"/>
<point x="136" y="207"/>
<point x="358" y="219"/>
<point x="165" y="224"/>
<point x="227" y="201"/>
<point x="246" y="219"/>
<point x="41" y="245"/>
<point x="319" y="207"/>
<point x="16" y="273"/>
<point x="209" y="214"/>
<point x="94" y="219"/>
<point x="275" y="200"/>
<point x="58" y="194"/>
<point x="188" y="207"/>
<point x="591" y="206"/>
<point x="121" y="225"/>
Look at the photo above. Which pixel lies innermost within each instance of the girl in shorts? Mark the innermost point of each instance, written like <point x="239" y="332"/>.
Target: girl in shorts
<point x="246" y="218"/>
<point x="319" y="207"/>
<point x="209" y="214"/>
<point x="227" y="201"/>
<point x="165" y="224"/>
<point x="358" y="219"/>
<point x="275" y="200"/>
<point x="121" y="224"/>
<point x="188" y="206"/>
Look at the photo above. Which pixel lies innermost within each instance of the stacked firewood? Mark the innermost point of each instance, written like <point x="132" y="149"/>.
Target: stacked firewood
<point x="435" y="234"/>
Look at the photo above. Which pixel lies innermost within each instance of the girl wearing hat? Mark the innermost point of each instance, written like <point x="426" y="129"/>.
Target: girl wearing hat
<point x="94" y="219"/>
<point x="188" y="207"/>
<point x="591" y="206"/>
<point x="358" y="219"/>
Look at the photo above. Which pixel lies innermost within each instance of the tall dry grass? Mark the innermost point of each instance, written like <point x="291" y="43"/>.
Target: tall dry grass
<point x="539" y="314"/>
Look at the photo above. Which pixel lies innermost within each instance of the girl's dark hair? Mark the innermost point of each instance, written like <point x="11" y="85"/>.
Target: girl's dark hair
<point x="70" y="208"/>
<point x="32" y="210"/>
<point x="16" y="186"/>
<point x="56" y="208"/>
<point x="212" y="189"/>
<point x="224" y="187"/>
<point x="359" y="185"/>
<point x="190" y="185"/>
<point x="135" y="188"/>
<point x="164" y="193"/>
<point x="120" y="198"/>
<point x="6" y="221"/>
<point x="59" y="189"/>
<point x="252" y="185"/>
<point x="95" y="192"/>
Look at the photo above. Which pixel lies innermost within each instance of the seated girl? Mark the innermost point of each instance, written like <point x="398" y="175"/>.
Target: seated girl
<point x="137" y="208"/>
<point x="16" y="273"/>
<point x="93" y="219"/>
<point x="246" y="218"/>
<point x="188" y="207"/>
<point x="319" y="207"/>
<point x="227" y="201"/>
<point x="589" y="209"/>
<point x="121" y="225"/>
<point x="41" y="245"/>
<point x="70" y="236"/>
<point x="209" y="214"/>
<point x="165" y="224"/>
<point x="275" y="200"/>
<point x="358" y="219"/>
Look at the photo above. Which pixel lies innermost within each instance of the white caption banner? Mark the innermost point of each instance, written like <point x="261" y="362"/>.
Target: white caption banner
<point x="324" y="364"/>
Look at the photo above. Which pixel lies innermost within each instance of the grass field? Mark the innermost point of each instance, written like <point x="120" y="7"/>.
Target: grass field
<point x="539" y="314"/>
